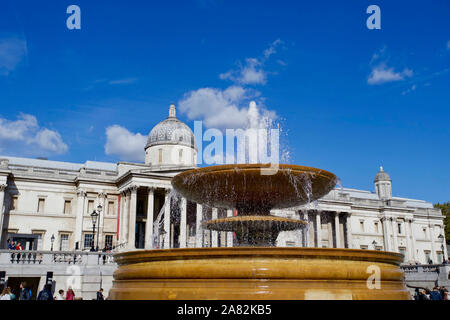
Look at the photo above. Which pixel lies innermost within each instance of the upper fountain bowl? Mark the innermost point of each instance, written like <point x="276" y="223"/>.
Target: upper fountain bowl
<point x="254" y="188"/>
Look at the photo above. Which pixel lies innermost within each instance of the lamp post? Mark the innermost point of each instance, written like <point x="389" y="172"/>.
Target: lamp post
<point x="94" y="216"/>
<point x="52" y="239"/>
<point x="442" y="246"/>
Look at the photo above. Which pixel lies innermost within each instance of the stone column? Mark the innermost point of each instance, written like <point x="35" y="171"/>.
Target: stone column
<point x="337" y="230"/>
<point x="167" y="220"/>
<point x="126" y="210"/>
<point x="330" y="230"/>
<point x="81" y="196"/>
<point x="121" y="217"/>
<point x="149" y="222"/>
<point x="214" y="234"/>
<point x="2" y="211"/>
<point x="413" y="240"/>
<point x="348" y="229"/>
<point x="433" y="250"/>
<point x="319" y="229"/>
<point x="384" y="221"/>
<point x="101" y="200"/>
<point x="394" y="232"/>
<point x="409" y="256"/>
<point x="198" y="227"/>
<point x="183" y="223"/>
<point x="229" y="234"/>
<point x="132" y="219"/>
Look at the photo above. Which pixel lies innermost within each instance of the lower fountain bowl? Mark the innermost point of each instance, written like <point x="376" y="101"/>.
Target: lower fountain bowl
<point x="258" y="273"/>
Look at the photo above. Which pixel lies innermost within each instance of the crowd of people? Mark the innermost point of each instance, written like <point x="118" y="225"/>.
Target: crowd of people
<point x="25" y="293"/>
<point x="438" y="293"/>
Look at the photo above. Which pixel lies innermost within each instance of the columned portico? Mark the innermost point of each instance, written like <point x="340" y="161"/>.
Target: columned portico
<point x="150" y="218"/>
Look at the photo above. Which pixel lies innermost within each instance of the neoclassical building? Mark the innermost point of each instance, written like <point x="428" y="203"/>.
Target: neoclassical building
<point x="48" y="204"/>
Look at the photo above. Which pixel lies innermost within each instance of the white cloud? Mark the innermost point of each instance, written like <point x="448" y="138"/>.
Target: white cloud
<point x="252" y="71"/>
<point x="126" y="145"/>
<point x="382" y="74"/>
<point x="228" y="108"/>
<point x="12" y="51"/>
<point x="25" y="135"/>
<point x="410" y="89"/>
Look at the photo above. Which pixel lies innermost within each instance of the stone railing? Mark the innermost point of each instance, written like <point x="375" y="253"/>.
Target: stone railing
<point x="423" y="268"/>
<point x="26" y="257"/>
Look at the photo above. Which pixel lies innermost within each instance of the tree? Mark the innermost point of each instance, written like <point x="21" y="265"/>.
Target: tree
<point x="445" y="207"/>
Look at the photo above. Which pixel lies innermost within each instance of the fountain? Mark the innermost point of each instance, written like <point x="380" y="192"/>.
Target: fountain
<point x="255" y="268"/>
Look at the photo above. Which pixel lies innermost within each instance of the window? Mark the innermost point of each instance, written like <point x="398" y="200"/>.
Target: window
<point x="90" y="207"/>
<point x="14" y="201"/>
<point x="41" y="204"/>
<point x="64" y="242"/>
<point x="403" y="252"/>
<point x="427" y="256"/>
<point x="361" y="226"/>
<point x="88" y="237"/>
<point x="110" y="211"/>
<point x="109" y="240"/>
<point x="67" y="206"/>
<point x="439" y="257"/>
<point x="399" y="226"/>
<point x="160" y="158"/>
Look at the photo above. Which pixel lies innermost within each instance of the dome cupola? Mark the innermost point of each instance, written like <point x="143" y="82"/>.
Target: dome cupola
<point x="171" y="143"/>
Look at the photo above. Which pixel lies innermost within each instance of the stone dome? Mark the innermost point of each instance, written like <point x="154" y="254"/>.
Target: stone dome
<point x="382" y="176"/>
<point x="171" y="131"/>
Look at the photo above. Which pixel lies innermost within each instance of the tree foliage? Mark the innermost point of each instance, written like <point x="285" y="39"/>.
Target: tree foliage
<point x="445" y="207"/>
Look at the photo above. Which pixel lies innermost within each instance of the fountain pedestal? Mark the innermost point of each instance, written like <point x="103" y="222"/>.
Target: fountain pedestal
<point x="258" y="273"/>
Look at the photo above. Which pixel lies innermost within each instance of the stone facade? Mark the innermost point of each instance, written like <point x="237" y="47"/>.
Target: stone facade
<point x="41" y="200"/>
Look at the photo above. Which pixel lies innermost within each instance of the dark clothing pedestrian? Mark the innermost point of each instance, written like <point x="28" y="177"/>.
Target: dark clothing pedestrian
<point x="435" y="295"/>
<point x="25" y="294"/>
<point x="100" y="295"/>
<point x="45" y="294"/>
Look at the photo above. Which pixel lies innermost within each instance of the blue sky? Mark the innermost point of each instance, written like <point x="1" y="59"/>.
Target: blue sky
<point x="349" y="99"/>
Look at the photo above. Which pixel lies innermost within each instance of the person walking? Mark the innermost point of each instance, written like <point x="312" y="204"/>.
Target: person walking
<point x="46" y="293"/>
<point x="60" y="295"/>
<point x="100" y="294"/>
<point x="6" y="294"/>
<point x="70" y="295"/>
<point x="24" y="292"/>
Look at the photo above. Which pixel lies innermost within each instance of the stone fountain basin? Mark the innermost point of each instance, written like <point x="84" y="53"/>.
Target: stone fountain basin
<point x="255" y="273"/>
<point x="254" y="188"/>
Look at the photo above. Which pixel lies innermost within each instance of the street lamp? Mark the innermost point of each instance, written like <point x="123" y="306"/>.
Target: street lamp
<point x="94" y="216"/>
<point x="442" y="246"/>
<point x="52" y="239"/>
